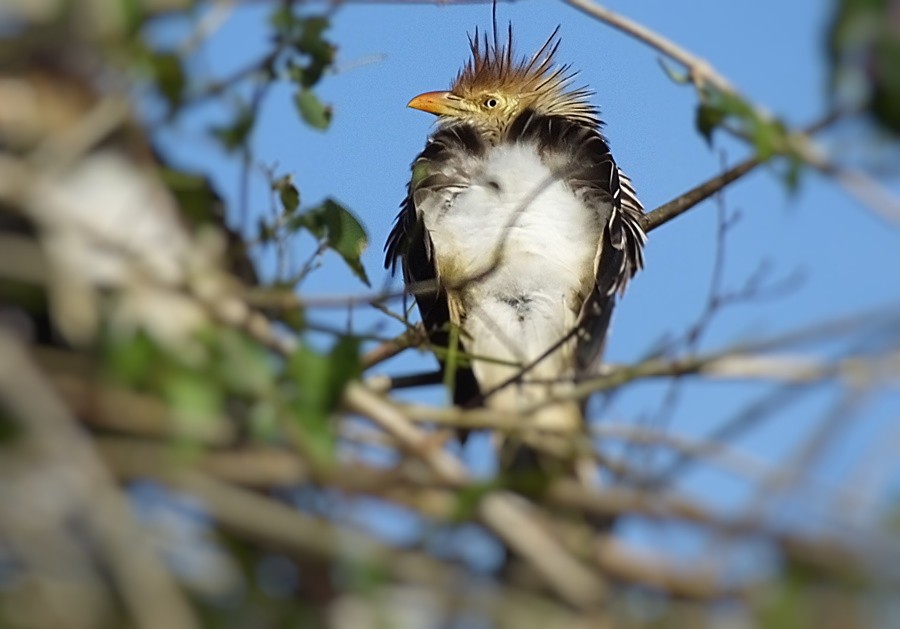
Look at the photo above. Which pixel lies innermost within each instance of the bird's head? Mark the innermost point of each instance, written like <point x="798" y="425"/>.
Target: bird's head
<point x="494" y="88"/>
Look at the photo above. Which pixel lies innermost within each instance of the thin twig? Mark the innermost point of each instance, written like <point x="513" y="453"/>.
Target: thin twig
<point x="681" y="204"/>
<point x="700" y="71"/>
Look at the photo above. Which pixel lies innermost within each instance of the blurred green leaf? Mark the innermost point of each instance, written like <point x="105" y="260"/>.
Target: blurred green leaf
<point x="313" y="54"/>
<point x="169" y="75"/>
<point x="718" y="108"/>
<point x="854" y="27"/>
<point x="320" y="380"/>
<point x="786" y="605"/>
<point x="311" y="40"/>
<point x="708" y="118"/>
<point x="313" y="111"/>
<point x="263" y="420"/>
<point x="468" y="499"/>
<point x="242" y="365"/>
<point x="863" y="47"/>
<point x="885" y="102"/>
<point x="294" y="318"/>
<point x="792" y="173"/>
<point x="233" y="136"/>
<point x="197" y="199"/>
<point x="133" y="15"/>
<point x="265" y="232"/>
<point x="132" y="359"/>
<point x="333" y="224"/>
<point x="196" y="398"/>
<point x="769" y="137"/>
<point x="283" y="19"/>
<point x="288" y="193"/>
<point x="320" y="51"/>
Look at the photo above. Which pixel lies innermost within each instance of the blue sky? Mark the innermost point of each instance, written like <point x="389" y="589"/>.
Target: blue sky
<point x="771" y="51"/>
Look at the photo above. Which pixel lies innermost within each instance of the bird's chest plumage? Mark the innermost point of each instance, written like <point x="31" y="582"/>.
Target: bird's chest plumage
<point x="514" y="234"/>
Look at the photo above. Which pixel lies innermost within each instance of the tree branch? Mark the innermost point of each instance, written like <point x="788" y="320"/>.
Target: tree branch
<point x="509" y="516"/>
<point x="146" y="587"/>
<point x="699" y="70"/>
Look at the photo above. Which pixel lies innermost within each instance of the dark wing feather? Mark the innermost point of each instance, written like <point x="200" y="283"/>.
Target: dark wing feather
<point x="439" y="174"/>
<point x="580" y="155"/>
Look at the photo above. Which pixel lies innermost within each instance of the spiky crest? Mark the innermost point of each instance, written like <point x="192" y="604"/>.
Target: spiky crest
<point x="493" y="66"/>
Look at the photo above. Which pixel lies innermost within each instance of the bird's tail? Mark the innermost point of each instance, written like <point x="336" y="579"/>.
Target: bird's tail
<point x="531" y="375"/>
<point x="550" y="450"/>
<point x="549" y="429"/>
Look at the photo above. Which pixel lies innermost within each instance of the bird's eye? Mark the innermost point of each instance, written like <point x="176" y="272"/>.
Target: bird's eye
<point x="490" y="103"/>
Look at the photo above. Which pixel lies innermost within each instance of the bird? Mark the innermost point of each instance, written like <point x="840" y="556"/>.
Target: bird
<point x="518" y="232"/>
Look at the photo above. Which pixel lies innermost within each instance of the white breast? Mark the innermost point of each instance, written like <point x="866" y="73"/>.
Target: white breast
<point x="526" y="244"/>
<point x="515" y="210"/>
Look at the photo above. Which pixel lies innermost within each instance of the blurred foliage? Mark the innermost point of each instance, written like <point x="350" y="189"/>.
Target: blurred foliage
<point x="727" y="110"/>
<point x="316" y="385"/>
<point x="864" y="54"/>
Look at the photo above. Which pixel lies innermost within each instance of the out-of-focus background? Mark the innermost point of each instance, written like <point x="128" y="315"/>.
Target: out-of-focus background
<point x="216" y="408"/>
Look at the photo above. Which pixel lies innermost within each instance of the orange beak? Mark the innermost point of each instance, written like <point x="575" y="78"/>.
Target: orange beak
<point x="437" y="103"/>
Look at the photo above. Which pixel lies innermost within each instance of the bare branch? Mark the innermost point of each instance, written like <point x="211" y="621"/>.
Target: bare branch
<point x="699" y="70"/>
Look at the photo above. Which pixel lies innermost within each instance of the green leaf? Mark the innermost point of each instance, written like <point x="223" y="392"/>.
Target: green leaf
<point x="313" y="111"/>
<point x="132" y="359"/>
<point x="320" y="51"/>
<point x="262" y="420"/>
<point x="242" y="366"/>
<point x="864" y="52"/>
<point x="468" y="499"/>
<point x="333" y="224"/>
<point x="197" y="199"/>
<point x="322" y="377"/>
<point x="768" y="138"/>
<point x="132" y="14"/>
<point x="265" y="233"/>
<point x="196" y="398"/>
<point x="885" y="101"/>
<point x="786" y="605"/>
<point x="792" y="173"/>
<point x="717" y="108"/>
<point x="708" y="118"/>
<point x="283" y="20"/>
<point x="288" y="193"/>
<point x="169" y="75"/>
<point x="234" y="135"/>
<point x="311" y="41"/>
<point x="320" y="380"/>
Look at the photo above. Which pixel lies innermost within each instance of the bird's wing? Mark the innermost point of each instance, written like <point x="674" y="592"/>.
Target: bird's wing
<point x="620" y="255"/>
<point x="439" y="175"/>
<point x="581" y="156"/>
